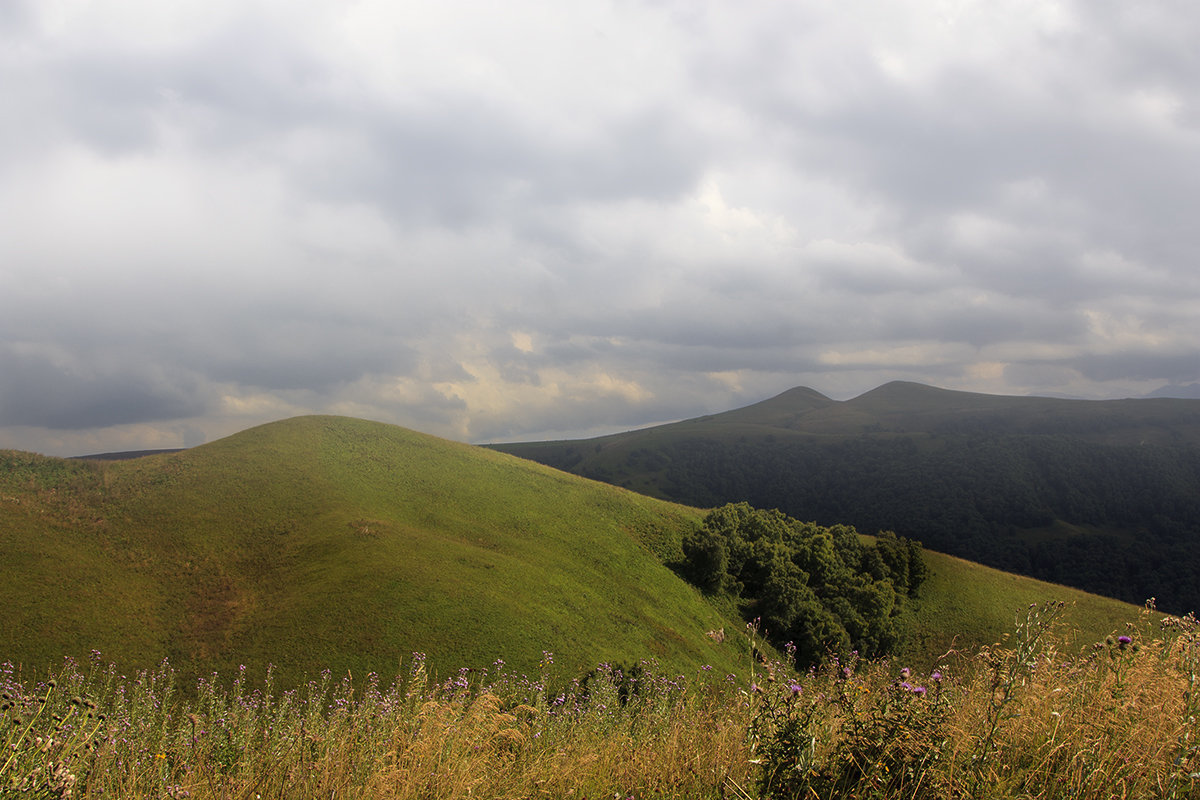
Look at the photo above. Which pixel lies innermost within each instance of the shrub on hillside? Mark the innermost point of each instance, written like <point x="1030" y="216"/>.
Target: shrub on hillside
<point x="821" y="589"/>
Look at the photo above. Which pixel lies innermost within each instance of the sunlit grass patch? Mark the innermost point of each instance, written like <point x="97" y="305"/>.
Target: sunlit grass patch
<point x="333" y="542"/>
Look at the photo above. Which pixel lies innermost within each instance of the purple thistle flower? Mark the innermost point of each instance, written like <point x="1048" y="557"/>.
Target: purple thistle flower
<point x="1124" y="641"/>
<point x="919" y="690"/>
<point x="796" y="689"/>
<point x="936" y="677"/>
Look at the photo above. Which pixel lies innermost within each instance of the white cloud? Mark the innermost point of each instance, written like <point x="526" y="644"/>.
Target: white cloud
<point x="529" y="219"/>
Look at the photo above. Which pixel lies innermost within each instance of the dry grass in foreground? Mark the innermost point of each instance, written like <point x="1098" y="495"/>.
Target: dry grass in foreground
<point x="1021" y="720"/>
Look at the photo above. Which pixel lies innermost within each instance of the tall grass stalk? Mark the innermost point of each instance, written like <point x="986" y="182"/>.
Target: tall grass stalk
<point x="1022" y="719"/>
<point x="615" y="732"/>
<point x="1027" y="718"/>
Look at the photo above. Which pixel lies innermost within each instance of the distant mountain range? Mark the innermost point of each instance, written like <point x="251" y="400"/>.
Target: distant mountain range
<point x="1103" y="495"/>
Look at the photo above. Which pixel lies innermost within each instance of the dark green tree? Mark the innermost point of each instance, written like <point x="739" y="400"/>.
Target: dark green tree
<point x="822" y="589"/>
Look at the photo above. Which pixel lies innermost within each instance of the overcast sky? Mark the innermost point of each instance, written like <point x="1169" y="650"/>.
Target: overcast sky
<point x="498" y="221"/>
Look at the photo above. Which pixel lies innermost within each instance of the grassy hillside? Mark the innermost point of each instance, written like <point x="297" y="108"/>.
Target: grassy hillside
<point x="963" y="605"/>
<point x="326" y="542"/>
<point x="1096" y="494"/>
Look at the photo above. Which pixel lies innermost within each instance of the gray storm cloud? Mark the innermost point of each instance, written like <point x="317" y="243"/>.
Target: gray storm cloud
<point x="548" y="220"/>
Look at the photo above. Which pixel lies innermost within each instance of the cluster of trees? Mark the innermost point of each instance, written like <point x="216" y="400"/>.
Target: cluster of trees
<point x="821" y="589"/>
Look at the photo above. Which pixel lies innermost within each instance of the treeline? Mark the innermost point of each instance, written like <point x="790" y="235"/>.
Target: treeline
<point x="991" y="499"/>
<point x="814" y="590"/>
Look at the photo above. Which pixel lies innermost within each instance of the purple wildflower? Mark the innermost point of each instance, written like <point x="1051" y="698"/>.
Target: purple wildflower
<point x="1124" y="641"/>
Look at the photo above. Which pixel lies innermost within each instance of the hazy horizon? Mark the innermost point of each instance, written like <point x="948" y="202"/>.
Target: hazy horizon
<point x="1169" y="392"/>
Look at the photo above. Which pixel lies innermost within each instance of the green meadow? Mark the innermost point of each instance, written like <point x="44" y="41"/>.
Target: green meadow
<point x="963" y="605"/>
<point x="330" y="607"/>
<point x="335" y="543"/>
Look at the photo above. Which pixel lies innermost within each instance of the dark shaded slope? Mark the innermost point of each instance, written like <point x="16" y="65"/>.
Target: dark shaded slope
<point x="1104" y="495"/>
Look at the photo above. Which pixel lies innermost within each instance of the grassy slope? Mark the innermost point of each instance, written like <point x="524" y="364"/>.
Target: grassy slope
<point x="963" y="605"/>
<point x="332" y="542"/>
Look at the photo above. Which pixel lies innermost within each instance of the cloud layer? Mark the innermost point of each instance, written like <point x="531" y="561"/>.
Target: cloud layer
<point x="538" y="219"/>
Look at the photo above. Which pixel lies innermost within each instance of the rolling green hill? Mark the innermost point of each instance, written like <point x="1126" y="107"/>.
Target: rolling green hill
<point x="1101" y="495"/>
<point x="327" y="542"/>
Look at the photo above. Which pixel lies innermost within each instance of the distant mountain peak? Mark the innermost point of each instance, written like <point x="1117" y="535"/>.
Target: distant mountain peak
<point x="908" y="389"/>
<point x="779" y="410"/>
<point x="897" y="395"/>
<point x="802" y="394"/>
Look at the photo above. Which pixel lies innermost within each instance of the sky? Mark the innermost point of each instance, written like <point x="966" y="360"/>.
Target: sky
<point x="540" y="220"/>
